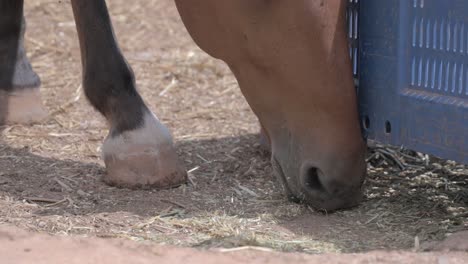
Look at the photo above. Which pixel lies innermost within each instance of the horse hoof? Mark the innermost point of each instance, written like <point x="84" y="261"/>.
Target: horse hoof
<point x="23" y="106"/>
<point x="143" y="158"/>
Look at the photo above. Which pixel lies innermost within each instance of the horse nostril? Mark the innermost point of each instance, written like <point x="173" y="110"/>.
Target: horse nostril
<point x="312" y="179"/>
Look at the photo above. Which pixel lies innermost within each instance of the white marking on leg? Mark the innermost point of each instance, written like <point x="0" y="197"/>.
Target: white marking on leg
<point x="24" y="106"/>
<point x="144" y="156"/>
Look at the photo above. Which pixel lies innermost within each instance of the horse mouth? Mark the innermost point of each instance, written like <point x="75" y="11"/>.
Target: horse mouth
<point x="279" y="173"/>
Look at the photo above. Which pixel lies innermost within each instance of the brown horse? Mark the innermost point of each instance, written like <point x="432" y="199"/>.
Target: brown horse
<point x="291" y="62"/>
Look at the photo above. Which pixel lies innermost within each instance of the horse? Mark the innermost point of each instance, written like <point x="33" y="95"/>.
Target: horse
<point x="291" y="62"/>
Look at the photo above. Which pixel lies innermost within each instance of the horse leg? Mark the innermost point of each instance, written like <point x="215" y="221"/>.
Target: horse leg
<point x="139" y="150"/>
<point x="20" y="100"/>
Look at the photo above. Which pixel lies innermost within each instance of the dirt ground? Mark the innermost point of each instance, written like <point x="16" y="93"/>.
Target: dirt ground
<point x="21" y="247"/>
<point x="50" y="173"/>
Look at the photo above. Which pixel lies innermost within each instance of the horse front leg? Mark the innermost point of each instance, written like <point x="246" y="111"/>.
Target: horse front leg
<point x="139" y="150"/>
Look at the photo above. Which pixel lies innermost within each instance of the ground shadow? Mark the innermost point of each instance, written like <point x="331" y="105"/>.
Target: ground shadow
<point x="216" y="165"/>
<point x="232" y="177"/>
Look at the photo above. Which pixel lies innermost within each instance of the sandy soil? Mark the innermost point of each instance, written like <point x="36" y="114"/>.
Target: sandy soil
<point x="21" y="247"/>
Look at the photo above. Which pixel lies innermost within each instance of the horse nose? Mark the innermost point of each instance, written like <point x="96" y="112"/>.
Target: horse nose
<point x="331" y="189"/>
<point x="311" y="179"/>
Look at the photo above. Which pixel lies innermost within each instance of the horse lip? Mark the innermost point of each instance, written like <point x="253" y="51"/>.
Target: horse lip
<point x="278" y="170"/>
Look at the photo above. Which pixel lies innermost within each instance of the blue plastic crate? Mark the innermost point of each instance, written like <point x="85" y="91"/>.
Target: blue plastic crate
<point x="410" y="60"/>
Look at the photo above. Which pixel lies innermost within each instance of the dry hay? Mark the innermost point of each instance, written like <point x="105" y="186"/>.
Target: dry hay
<point x="50" y="173"/>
